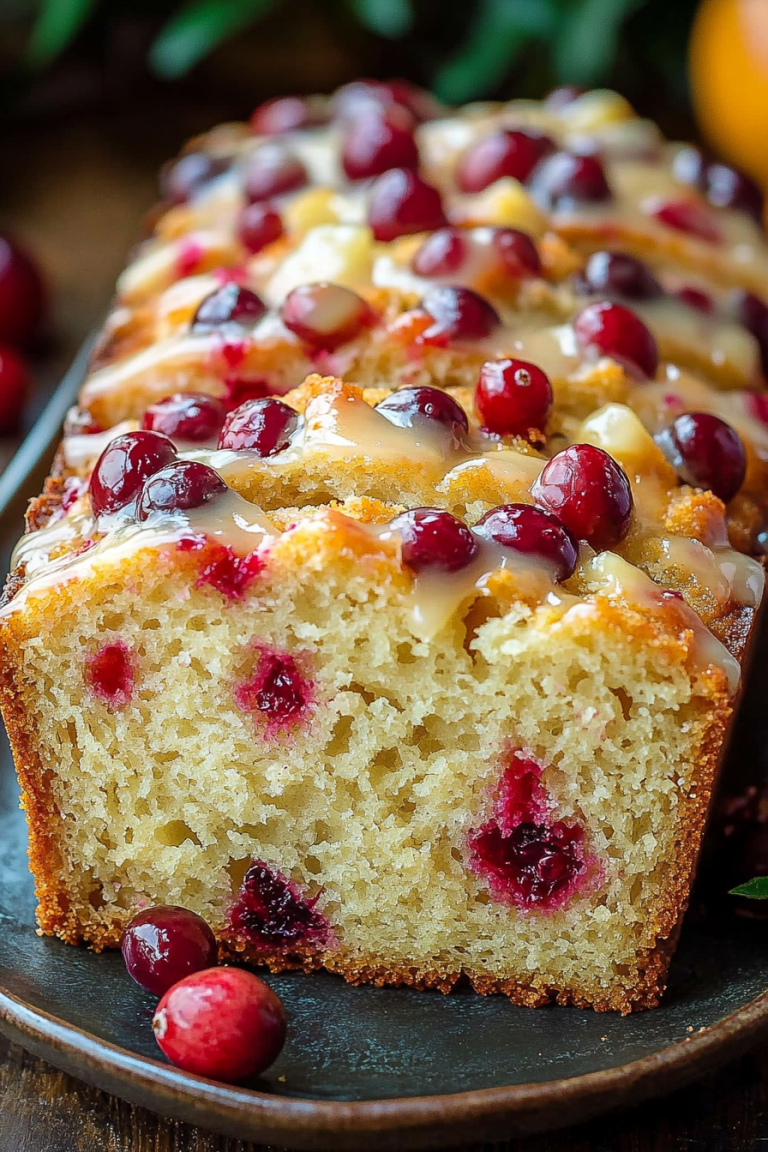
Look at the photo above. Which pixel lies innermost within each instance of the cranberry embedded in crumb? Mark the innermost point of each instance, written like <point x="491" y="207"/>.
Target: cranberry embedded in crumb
<point x="706" y="453"/>
<point x="442" y="254"/>
<point x="513" y="397"/>
<point x="22" y="295"/>
<point x="278" y="690"/>
<point x="258" y="225"/>
<point x="178" y="487"/>
<point x="532" y="532"/>
<point x="535" y="865"/>
<point x="271" y="911"/>
<point x="325" y="315"/>
<point x="509" y="152"/>
<point x="272" y="171"/>
<point x="123" y="467"/>
<point x="402" y="203"/>
<point x="752" y="312"/>
<point x="691" y="217"/>
<point x="287" y="114"/>
<point x="261" y="426"/>
<point x="189" y="174"/>
<point x="432" y="539"/>
<point x="223" y="1023"/>
<point x="458" y="314"/>
<point x="589" y="492"/>
<point x="414" y="407"/>
<point x="110" y="674"/>
<point x="564" y="181"/>
<point x="617" y="274"/>
<point x="517" y="252"/>
<point x="379" y="139"/>
<point x="229" y="304"/>
<point x="729" y="188"/>
<point x="164" y="944"/>
<point x="696" y="298"/>
<point x="192" y="416"/>
<point x="14" y="388"/>
<point x="615" y="331"/>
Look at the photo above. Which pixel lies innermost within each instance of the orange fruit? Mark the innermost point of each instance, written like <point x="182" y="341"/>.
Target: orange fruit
<point x="729" y="81"/>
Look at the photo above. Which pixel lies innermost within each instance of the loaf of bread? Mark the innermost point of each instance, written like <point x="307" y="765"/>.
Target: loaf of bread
<point x="389" y="598"/>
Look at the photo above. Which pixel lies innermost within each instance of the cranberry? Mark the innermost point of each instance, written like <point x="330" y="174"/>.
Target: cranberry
<point x="562" y="96"/>
<point x="123" y="467"/>
<point x="22" y="295"/>
<point x="532" y="532"/>
<point x="442" y="254"/>
<point x="228" y="573"/>
<point x="271" y="911"/>
<point x="534" y="864"/>
<point x="361" y="95"/>
<point x="458" y="314"/>
<point x="277" y="689"/>
<point x="187" y="416"/>
<point x="696" y="298"/>
<point x="272" y="171"/>
<point x="414" y="407"/>
<point x="435" y="540"/>
<point x="513" y="397"/>
<point x="402" y="203"/>
<point x="184" y="179"/>
<point x="706" y="453"/>
<point x="729" y="188"/>
<point x="617" y="274"/>
<point x="752" y="312"/>
<point x="223" y="1023"/>
<point x="589" y="492"/>
<point x="162" y="945"/>
<point x="690" y="217"/>
<point x="517" y="252"/>
<point x="615" y="331"/>
<point x="261" y="426"/>
<point x="229" y="304"/>
<point x="258" y="225"/>
<point x="564" y="181"/>
<point x="377" y="140"/>
<point x="508" y="152"/>
<point x="110" y="673"/>
<point x="287" y="114"/>
<point x="325" y="315"/>
<point x="178" y="487"/>
<point x="15" y="381"/>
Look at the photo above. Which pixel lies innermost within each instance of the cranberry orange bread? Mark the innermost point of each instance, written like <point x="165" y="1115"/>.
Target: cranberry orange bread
<point x="388" y="600"/>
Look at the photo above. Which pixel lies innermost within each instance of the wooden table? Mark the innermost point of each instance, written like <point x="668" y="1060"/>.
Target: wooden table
<point x="75" y="191"/>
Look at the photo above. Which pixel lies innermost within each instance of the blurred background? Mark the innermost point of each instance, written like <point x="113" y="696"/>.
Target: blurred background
<point x="96" y="94"/>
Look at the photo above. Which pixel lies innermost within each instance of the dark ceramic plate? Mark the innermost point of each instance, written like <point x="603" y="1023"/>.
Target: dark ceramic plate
<point x="380" y="1067"/>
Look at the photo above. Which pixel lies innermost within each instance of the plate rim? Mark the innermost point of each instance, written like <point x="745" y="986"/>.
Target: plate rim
<point x="395" y="1122"/>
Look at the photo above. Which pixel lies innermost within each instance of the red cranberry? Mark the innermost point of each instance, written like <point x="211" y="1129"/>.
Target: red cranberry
<point x="696" y="298"/>
<point x="729" y="188"/>
<point x="271" y="911"/>
<point x="110" y="674"/>
<point x="361" y="95"/>
<point x="184" y="179"/>
<point x="15" y="381"/>
<point x="435" y="540"/>
<point x="287" y="114"/>
<point x="22" y="295"/>
<point x="442" y="254"/>
<point x="162" y="945"/>
<point x="229" y="304"/>
<point x="223" y="1023"/>
<point x="617" y="274"/>
<point x="377" y="140"/>
<point x="532" y="532"/>
<point x="615" y="331"/>
<point x="178" y="487"/>
<point x="272" y="171"/>
<point x="187" y="416"/>
<point x="564" y="181"/>
<point x="412" y="407"/>
<point x="706" y="453"/>
<point x="517" y="252"/>
<point x="563" y="96"/>
<point x="325" y="315"/>
<point x="533" y="865"/>
<point x="258" y="225"/>
<point x="220" y="568"/>
<point x="402" y="203"/>
<point x="261" y="426"/>
<point x="513" y="397"/>
<point x="277" y="689"/>
<point x="589" y="492"/>
<point x="123" y="467"/>
<point x="752" y="312"/>
<point x="458" y="314"/>
<point x="690" y="217"/>
<point x="508" y="152"/>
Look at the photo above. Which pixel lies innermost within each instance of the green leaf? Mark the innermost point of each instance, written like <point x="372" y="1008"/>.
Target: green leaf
<point x="389" y="18"/>
<point x="496" y="37"/>
<point x="756" y="889"/>
<point x="198" y="28"/>
<point x="586" y="41"/>
<point x="57" y="24"/>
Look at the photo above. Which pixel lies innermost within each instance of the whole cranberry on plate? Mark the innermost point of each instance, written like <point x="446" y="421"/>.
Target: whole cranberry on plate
<point x="14" y="388"/>
<point x="164" y="944"/>
<point x="22" y="295"/>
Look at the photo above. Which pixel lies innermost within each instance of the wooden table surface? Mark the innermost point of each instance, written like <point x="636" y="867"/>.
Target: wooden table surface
<point x="75" y="191"/>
